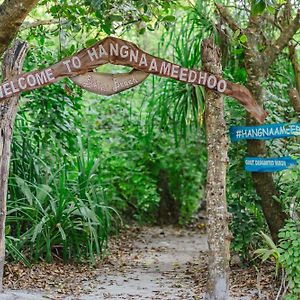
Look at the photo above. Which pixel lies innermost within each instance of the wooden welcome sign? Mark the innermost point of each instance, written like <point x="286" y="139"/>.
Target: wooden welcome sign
<point x="80" y="66"/>
<point x="109" y="84"/>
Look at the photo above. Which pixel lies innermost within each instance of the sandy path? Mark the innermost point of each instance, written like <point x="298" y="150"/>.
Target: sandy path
<point x="148" y="263"/>
<point x="158" y="267"/>
<point x="153" y="268"/>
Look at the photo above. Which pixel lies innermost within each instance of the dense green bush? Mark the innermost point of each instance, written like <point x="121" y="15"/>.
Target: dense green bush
<point x="286" y="256"/>
<point x="131" y="159"/>
<point x="61" y="213"/>
<point x="289" y="249"/>
<point x="63" y="195"/>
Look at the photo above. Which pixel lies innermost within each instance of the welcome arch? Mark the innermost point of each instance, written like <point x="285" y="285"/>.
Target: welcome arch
<point x="79" y="68"/>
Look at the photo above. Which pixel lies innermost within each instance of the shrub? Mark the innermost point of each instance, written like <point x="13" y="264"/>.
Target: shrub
<point x="289" y="249"/>
<point x="286" y="256"/>
<point x="62" y="214"/>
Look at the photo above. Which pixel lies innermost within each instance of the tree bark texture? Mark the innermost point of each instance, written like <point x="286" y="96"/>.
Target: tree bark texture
<point x="263" y="182"/>
<point x="12" y="15"/>
<point x="294" y="94"/>
<point x="257" y="64"/>
<point x="295" y="64"/>
<point x="295" y="100"/>
<point x="168" y="212"/>
<point x="217" y="148"/>
<point x="12" y="66"/>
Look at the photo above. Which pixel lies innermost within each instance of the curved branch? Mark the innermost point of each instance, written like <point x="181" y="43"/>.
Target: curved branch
<point x="28" y="25"/>
<point x="286" y="35"/>
<point x="295" y="63"/>
<point x="227" y="17"/>
<point x="12" y="15"/>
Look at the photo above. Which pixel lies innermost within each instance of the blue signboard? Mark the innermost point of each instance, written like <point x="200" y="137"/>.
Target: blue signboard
<point x="264" y="132"/>
<point x="259" y="164"/>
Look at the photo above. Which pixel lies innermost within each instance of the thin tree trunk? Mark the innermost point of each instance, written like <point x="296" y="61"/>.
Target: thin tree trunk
<point x="257" y="64"/>
<point x="168" y="212"/>
<point x="294" y="94"/>
<point x="295" y="100"/>
<point x="295" y="63"/>
<point x="217" y="148"/>
<point x="263" y="182"/>
<point x="12" y="65"/>
<point x="266" y="190"/>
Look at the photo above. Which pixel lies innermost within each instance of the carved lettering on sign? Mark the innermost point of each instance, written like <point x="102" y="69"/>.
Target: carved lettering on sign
<point x="26" y="82"/>
<point x="109" y="84"/>
<point x="120" y="52"/>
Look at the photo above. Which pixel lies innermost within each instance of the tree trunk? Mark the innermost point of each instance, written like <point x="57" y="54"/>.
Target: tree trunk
<point x="217" y="148"/>
<point x="263" y="182"/>
<point x="266" y="190"/>
<point x="295" y="100"/>
<point x="294" y="94"/>
<point x="12" y="65"/>
<point x="12" y="15"/>
<point x="257" y="64"/>
<point x="168" y="212"/>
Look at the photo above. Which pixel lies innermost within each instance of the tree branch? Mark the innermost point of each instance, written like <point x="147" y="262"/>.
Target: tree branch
<point x="295" y="63"/>
<point x="12" y="66"/>
<point x="12" y="15"/>
<point x="28" y="25"/>
<point x="271" y="19"/>
<point x="295" y="100"/>
<point x="294" y="94"/>
<point x="286" y="35"/>
<point x="227" y="17"/>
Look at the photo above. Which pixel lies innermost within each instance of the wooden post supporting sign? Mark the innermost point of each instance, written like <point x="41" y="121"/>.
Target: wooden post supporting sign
<point x="217" y="148"/>
<point x="12" y="66"/>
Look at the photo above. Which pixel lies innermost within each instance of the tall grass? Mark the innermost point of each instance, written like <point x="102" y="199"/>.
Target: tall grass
<point x="58" y="211"/>
<point x="175" y="105"/>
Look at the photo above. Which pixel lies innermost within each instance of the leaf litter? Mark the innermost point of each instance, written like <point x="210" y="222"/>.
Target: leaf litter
<point x="166" y="263"/>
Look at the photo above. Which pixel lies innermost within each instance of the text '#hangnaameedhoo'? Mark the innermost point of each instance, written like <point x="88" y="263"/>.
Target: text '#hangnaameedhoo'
<point x="264" y="132"/>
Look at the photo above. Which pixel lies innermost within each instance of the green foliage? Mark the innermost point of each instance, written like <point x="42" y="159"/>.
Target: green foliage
<point x="63" y="213"/>
<point x="131" y="159"/>
<point x="116" y="137"/>
<point x="290" y="191"/>
<point x="243" y="204"/>
<point x="180" y="106"/>
<point x="286" y="255"/>
<point x="259" y="6"/>
<point x="271" y="251"/>
<point x="84" y="21"/>
<point x="289" y="245"/>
